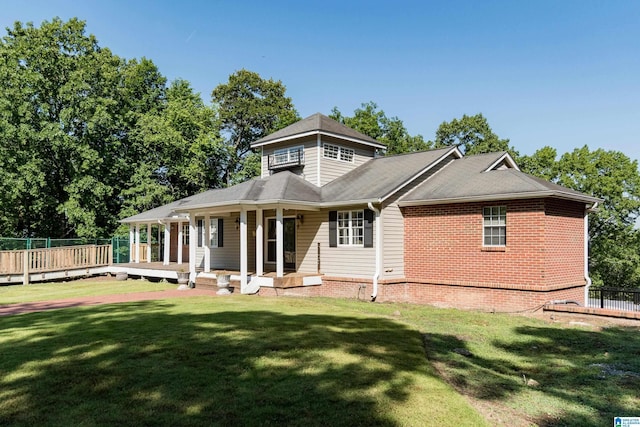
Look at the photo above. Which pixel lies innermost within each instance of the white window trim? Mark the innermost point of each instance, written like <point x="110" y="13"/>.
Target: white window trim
<point x="185" y="234"/>
<point x="350" y="228"/>
<point x="485" y="226"/>
<point x="266" y="239"/>
<point x="288" y="151"/>
<point x="213" y="242"/>
<point x="340" y="151"/>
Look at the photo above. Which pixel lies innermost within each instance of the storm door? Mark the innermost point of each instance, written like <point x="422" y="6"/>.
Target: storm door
<point x="289" y="242"/>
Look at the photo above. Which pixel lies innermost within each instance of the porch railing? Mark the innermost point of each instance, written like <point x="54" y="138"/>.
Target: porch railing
<point x="615" y="298"/>
<point x="54" y="259"/>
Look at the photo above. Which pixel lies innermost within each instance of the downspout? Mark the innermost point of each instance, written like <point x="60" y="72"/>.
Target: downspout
<point x="376" y="275"/>
<point x="586" y="253"/>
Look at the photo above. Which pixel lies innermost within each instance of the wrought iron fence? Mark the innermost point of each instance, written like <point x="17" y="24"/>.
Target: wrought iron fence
<point x="615" y="298"/>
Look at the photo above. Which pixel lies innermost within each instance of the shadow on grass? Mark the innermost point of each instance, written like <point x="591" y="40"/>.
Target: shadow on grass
<point x="594" y="374"/>
<point x="146" y="364"/>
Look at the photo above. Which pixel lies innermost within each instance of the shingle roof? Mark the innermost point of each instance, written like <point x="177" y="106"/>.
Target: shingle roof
<point x="318" y="123"/>
<point x="282" y="187"/>
<point x="159" y="213"/>
<point x="466" y="179"/>
<point x="381" y="176"/>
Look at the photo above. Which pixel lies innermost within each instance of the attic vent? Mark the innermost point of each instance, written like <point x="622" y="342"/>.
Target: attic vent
<point x="501" y="166"/>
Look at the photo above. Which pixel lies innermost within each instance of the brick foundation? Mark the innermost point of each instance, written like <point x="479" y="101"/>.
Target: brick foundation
<point x="447" y="265"/>
<point x="488" y="298"/>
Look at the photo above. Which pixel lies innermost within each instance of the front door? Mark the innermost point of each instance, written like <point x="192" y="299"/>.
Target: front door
<point x="289" y="242"/>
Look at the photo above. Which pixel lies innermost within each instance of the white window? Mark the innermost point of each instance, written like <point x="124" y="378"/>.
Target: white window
<point x="337" y="152"/>
<point x="213" y="233"/>
<point x="495" y="226"/>
<point x="351" y="228"/>
<point x="185" y="234"/>
<point x="285" y="156"/>
<point x="200" y="231"/>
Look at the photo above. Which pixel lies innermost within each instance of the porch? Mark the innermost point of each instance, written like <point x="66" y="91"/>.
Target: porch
<point x="204" y="280"/>
<point x="266" y="246"/>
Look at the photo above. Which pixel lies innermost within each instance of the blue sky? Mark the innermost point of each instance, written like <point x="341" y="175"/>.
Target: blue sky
<point x="560" y="73"/>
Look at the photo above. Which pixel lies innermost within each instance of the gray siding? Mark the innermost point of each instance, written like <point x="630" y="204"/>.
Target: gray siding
<point x="393" y="242"/>
<point x="393" y="228"/>
<point x="331" y="169"/>
<point x="355" y="262"/>
<point x="228" y="256"/>
<point x="309" y="171"/>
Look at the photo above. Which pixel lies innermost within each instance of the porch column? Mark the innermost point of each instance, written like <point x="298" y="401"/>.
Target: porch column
<point x="132" y="239"/>
<point x="137" y="243"/>
<point x="259" y="244"/>
<point x="206" y="243"/>
<point x="279" y="243"/>
<point x="193" y="242"/>
<point x="243" y="250"/>
<point x="149" y="242"/>
<point x="167" y="243"/>
<point x="180" y="237"/>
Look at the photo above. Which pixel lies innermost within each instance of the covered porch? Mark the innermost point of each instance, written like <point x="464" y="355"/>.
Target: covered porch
<point x="254" y="228"/>
<point x="260" y="246"/>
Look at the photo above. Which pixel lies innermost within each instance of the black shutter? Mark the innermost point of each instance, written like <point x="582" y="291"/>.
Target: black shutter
<point x="368" y="228"/>
<point x="333" y="229"/>
<point x="220" y="228"/>
<point x="200" y="227"/>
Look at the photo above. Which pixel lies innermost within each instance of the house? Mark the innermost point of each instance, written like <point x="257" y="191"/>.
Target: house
<point x="329" y="216"/>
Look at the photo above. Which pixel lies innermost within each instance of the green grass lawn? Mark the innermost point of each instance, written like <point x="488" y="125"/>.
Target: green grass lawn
<point x="12" y="294"/>
<point x="242" y="360"/>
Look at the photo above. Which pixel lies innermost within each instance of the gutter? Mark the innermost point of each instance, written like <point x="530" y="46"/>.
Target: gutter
<point x="376" y="275"/>
<point x="505" y="196"/>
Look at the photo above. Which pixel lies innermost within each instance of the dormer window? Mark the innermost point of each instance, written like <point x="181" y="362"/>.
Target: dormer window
<point x="337" y="152"/>
<point x="284" y="158"/>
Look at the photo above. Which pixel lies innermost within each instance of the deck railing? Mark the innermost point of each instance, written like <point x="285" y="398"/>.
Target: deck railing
<point x="54" y="259"/>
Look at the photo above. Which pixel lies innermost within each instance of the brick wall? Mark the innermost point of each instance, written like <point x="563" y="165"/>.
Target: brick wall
<point x="447" y="265"/>
<point x="545" y="242"/>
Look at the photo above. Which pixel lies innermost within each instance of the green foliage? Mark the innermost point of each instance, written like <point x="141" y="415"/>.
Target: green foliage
<point x="541" y="164"/>
<point x="472" y="135"/>
<point x="614" y="178"/>
<point x="249" y="108"/>
<point x="371" y="121"/>
<point x="88" y="137"/>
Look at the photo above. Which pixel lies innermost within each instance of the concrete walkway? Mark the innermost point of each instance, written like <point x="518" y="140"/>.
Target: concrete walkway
<point x="31" y="307"/>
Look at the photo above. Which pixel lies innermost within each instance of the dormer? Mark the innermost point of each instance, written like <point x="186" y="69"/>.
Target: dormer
<point x="317" y="148"/>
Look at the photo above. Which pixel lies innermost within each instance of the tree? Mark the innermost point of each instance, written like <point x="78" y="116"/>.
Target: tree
<point x="542" y="163"/>
<point x="72" y="140"/>
<point x="371" y="121"/>
<point x="472" y="135"/>
<point x="249" y="108"/>
<point x="614" y="178"/>
<point x="182" y="150"/>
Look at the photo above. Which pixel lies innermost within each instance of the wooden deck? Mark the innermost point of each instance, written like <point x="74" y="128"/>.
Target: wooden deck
<point x="45" y="264"/>
<point x="81" y="261"/>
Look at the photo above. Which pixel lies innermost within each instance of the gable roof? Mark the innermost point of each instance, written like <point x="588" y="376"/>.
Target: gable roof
<point x="479" y="178"/>
<point x="317" y="124"/>
<point x="381" y="177"/>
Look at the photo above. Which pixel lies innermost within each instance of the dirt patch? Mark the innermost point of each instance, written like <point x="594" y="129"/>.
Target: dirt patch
<point x="583" y="320"/>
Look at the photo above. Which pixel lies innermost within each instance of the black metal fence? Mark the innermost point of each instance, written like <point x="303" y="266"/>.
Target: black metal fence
<point x="615" y="298"/>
